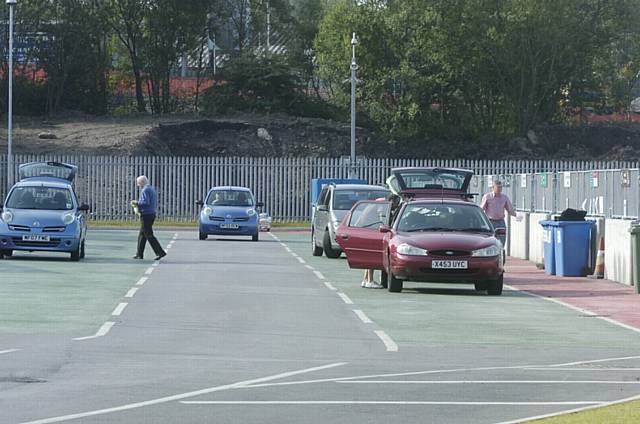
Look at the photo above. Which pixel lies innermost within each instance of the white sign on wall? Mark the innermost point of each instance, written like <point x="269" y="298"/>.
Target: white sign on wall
<point x="523" y="180"/>
<point x="567" y="180"/>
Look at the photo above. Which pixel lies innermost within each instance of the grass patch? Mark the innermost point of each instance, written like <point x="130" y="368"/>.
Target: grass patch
<point x="628" y="412"/>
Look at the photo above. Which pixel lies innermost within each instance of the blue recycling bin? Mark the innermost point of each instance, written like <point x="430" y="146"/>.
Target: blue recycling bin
<point x="572" y="247"/>
<point x="548" y="241"/>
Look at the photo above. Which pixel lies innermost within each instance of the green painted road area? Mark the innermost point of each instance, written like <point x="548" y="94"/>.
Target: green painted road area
<point x="46" y="293"/>
<point x="437" y="314"/>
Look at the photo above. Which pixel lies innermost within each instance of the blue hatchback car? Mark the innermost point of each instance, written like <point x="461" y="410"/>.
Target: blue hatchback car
<point x="42" y="213"/>
<point x="229" y="211"/>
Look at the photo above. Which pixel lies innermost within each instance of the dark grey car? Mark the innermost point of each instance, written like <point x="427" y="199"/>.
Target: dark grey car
<point x="333" y="204"/>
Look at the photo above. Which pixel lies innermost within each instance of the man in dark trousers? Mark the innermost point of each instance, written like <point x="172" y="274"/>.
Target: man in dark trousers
<point x="147" y="205"/>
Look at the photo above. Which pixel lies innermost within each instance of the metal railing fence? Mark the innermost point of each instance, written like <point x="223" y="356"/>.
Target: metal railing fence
<point x="107" y="183"/>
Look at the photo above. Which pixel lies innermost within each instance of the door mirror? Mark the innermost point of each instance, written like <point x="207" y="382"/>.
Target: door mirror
<point x="323" y="208"/>
<point x="384" y="229"/>
<point x="199" y="203"/>
<point x="259" y="205"/>
<point x="84" y="208"/>
<point x="500" y="232"/>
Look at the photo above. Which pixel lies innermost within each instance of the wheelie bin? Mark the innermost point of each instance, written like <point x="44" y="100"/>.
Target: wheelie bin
<point x="635" y="253"/>
<point x="548" y="239"/>
<point x="572" y="241"/>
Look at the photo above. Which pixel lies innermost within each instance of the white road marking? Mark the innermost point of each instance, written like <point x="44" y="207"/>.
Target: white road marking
<point x="345" y="298"/>
<point x="168" y="247"/>
<point x="330" y="286"/>
<point x="155" y="264"/>
<point x="319" y="275"/>
<point x="131" y="292"/>
<point x="118" y="310"/>
<point x="288" y="250"/>
<point x="380" y="402"/>
<point x="102" y="331"/>
<point x="571" y="411"/>
<point x="302" y="261"/>
<point x="294" y="254"/>
<point x="594" y="361"/>
<point x="362" y="316"/>
<point x="577" y="309"/>
<point x="309" y="267"/>
<point x="149" y="270"/>
<point x="2" y="352"/>
<point x="181" y="396"/>
<point x="579" y="369"/>
<point x="142" y="281"/>
<point x="175" y="236"/>
<point x="488" y="382"/>
<point x="388" y="341"/>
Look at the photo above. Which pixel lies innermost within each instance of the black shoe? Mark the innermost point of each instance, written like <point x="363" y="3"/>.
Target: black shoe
<point x="138" y="257"/>
<point x="160" y="256"/>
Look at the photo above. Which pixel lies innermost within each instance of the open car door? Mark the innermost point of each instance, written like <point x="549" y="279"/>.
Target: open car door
<point x="430" y="182"/>
<point x="359" y="237"/>
<point x="58" y="170"/>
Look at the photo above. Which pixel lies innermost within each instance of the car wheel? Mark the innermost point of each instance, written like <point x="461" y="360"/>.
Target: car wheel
<point x="328" y="250"/>
<point x="384" y="279"/>
<point x="75" y="255"/>
<point x="315" y="249"/>
<point x="255" y="237"/>
<point x="394" y="285"/>
<point x="82" y="250"/>
<point x="495" y="287"/>
<point x="202" y="236"/>
<point x="481" y="286"/>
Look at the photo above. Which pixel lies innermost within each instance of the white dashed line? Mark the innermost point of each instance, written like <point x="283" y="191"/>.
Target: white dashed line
<point x="119" y="309"/>
<point x="388" y="341"/>
<point x="155" y="264"/>
<point x="106" y="327"/>
<point x="345" y="298"/>
<point x="302" y="261"/>
<point x="309" y="267"/>
<point x="362" y="316"/>
<point x="319" y="275"/>
<point x="330" y="286"/>
<point x="142" y="281"/>
<point x="2" y="352"/>
<point x="149" y="270"/>
<point x="131" y="292"/>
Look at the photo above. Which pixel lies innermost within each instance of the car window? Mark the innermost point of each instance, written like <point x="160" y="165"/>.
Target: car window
<point x="443" y="217"/>
<point x="230" y="198"/>
<point x="40" y="198"/>
<point x="369" y="215"/>
<point x="434" y="179"/>
<point x="346" y="198"/>
<point x="322" y="197"/>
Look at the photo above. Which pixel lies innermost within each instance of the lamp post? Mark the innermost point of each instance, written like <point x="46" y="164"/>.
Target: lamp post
<point x="354" y="67"/>
<point x="11" y="4"/>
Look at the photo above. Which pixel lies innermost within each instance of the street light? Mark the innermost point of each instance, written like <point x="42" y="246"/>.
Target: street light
<point x="354" y="67"/>
<point x="11" y="4"/>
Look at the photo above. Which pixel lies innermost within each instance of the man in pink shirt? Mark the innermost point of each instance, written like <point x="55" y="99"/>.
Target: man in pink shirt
<point x="495" y="204"/>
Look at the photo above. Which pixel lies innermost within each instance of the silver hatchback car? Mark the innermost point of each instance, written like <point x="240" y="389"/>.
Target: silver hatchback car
<point x="333" y="203"/>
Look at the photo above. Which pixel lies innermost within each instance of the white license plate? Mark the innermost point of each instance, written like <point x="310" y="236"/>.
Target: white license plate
<point x="449" y="265"/>
<point x="35" y="237"/>
<point x="229" y="226"/>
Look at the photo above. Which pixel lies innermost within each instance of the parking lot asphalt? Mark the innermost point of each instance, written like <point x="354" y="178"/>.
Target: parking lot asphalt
<point x="238" y="332"/>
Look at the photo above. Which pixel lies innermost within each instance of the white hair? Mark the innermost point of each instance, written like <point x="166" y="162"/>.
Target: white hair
<point x="142" y="180"/>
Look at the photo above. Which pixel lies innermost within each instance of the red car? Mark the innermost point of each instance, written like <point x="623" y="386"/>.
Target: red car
<point x="436" y="234"/>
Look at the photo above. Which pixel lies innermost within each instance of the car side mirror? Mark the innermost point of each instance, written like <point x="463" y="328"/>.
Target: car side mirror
<point x="259" y="204"/>
<point x="384" y="229"/>
<point x="500" y="232"/>
<point x="84" y="208"/>
<point x="199" y="203"/>
<point x="323" y="208"/>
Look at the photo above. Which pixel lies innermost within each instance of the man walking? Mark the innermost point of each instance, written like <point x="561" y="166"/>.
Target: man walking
<point x="147" y="205"/>
<point x="495" y="204"/>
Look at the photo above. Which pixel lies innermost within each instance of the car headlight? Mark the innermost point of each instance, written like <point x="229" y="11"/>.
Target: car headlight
<point x="207" y="210"/>
<point x="7" y="216"/>
<point x="407" y="249"/>
<point x="251" y="211"/>
<point x="68" y="218"/>
<point x="487" y="252"/>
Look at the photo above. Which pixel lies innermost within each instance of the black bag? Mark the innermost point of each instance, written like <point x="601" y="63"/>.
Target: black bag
<point x="572" y="215"/>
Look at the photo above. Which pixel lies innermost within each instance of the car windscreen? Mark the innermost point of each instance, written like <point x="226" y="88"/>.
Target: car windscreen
<point x="437" y="179"/>
<point x="230" y="198"/>
<point x="343" y="200"/>
<point x="443" y="217"/>
<point x="40" y="198"/>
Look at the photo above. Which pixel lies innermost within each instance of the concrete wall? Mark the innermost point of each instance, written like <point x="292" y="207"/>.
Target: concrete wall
<point x="519" y="237"/>
<point x="617" y="247"/>
<point x="536" y="248"/>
